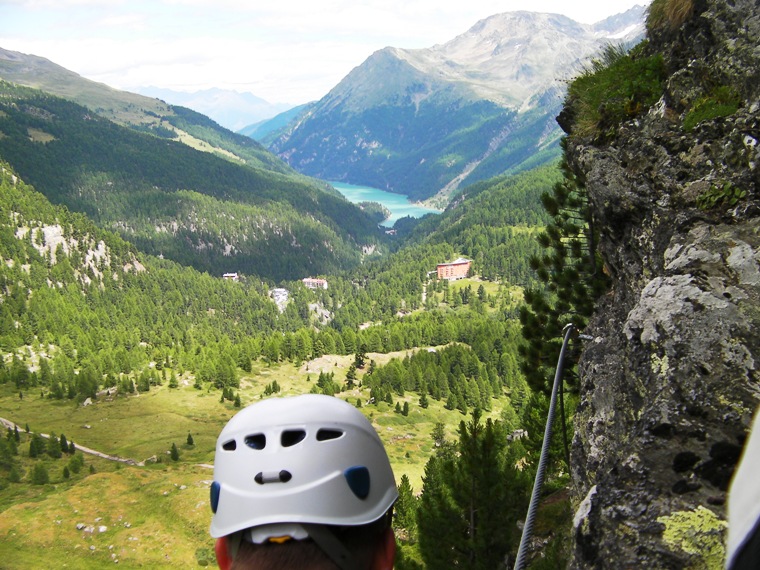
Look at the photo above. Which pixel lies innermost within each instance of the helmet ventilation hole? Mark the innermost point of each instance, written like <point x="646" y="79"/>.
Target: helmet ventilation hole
<point x="256" y="441"/>
<point x="273" y="477"/>
<point x="292" y="437"/>
<point x="230" y="445"/>
<point x="328" y="434"/>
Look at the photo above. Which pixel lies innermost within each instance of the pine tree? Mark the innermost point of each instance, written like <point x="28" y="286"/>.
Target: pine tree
<point x="40" y="474"/>
<point x="76" y="463"/>
<point x="438" y="434"/>
<point x="405" y="512"/>
<point x="190" y="441"/>
<point x="37" y="446"/>
<point x="54" y="447"/>
<point x="8" y="451"/>
<point x="174" y="452"/>
<point x="471" y="498"/>
<point x="351" y="377"/>
<point x="572" y="277"/>
<point x="360" y="357"/>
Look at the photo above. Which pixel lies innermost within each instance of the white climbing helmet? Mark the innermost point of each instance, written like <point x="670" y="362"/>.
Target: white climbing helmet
<point x="308" y="459"/>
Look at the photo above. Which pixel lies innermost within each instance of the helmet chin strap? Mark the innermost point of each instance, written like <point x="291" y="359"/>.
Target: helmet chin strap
<point x="332" y="546"/>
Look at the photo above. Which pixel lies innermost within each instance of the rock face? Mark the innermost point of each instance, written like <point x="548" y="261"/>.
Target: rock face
<point x="670" y="382"/>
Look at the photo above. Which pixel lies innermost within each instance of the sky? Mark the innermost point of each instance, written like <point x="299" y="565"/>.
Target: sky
<point x="284" y="51"/>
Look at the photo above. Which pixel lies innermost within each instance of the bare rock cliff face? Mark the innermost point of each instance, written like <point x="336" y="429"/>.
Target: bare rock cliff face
<point x="670" y="382"/>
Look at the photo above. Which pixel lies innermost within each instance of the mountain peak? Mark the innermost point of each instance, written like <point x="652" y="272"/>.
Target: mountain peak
<point x="426" y="121"/>
<point x="507" y="58"/>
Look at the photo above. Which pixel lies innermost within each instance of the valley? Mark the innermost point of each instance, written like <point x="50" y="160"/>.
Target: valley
<point x="131" y="355"/>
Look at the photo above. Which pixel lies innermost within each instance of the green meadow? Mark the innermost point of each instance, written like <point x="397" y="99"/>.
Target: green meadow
<point x="156" y="513"/>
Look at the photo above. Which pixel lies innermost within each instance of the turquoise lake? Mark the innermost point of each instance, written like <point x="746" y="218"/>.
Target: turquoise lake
<point x="398" y="204"/>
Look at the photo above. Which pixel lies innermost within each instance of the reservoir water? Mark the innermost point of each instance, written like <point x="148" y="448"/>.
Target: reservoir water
<point x="398" y="204"/>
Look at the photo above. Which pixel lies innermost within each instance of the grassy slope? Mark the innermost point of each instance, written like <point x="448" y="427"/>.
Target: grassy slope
<point x="133" y="110"/>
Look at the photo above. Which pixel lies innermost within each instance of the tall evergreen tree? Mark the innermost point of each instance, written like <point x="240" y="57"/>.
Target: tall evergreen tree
<point x="351" y="376"/>
<point x="471" y="497"/>
<point x="54" y="446"/>
<point x="37" y="446"/>
<point x="405" y="512"/>
<point x="571" y="272"/>
<point x="40" y="474"/>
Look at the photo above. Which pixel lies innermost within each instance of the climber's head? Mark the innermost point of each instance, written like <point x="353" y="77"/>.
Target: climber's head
<point x="302" y="476"/>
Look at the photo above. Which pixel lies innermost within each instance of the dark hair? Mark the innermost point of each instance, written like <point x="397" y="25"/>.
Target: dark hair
<point x="362" y="541"/>
<point x="295" y="554"/>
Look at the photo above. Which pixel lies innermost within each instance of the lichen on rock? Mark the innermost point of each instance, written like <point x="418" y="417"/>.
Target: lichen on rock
<point x="698" y="533"/>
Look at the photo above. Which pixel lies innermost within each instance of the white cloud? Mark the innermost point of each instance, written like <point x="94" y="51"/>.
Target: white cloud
<point x="284" y="51"/>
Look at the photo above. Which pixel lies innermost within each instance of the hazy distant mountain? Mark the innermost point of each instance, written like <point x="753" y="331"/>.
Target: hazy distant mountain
<point x="230" y="109"/>
<point x="426" y="121"/>
<point x="262" y="130"/>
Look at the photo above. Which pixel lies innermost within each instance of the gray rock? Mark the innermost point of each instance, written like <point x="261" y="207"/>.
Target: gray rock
<point x="670" y="382"/>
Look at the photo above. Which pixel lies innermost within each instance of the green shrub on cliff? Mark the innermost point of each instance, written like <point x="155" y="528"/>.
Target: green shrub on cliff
<point x="722" y="101"/>
<point x="618" y="86"/>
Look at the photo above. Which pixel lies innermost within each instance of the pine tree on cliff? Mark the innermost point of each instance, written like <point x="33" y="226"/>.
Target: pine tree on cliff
<point x="572" y="277"/>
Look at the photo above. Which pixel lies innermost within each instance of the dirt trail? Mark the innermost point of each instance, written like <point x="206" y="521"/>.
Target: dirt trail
<point x="10" y="424"/>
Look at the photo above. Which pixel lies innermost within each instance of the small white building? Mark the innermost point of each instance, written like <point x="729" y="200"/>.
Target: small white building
<point x="315" y="283"/>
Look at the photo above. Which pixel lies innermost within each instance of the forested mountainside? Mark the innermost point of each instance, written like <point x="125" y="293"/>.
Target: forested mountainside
<point x="104" y="305"/>
<point x="662" y="162"/>
<point x="121" y="350"/>
<point x="173" y="201"/>
<point x="495" y="223"/>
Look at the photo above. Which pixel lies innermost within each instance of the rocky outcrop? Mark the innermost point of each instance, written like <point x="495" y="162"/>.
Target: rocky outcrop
<point x="669" y="382"/>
